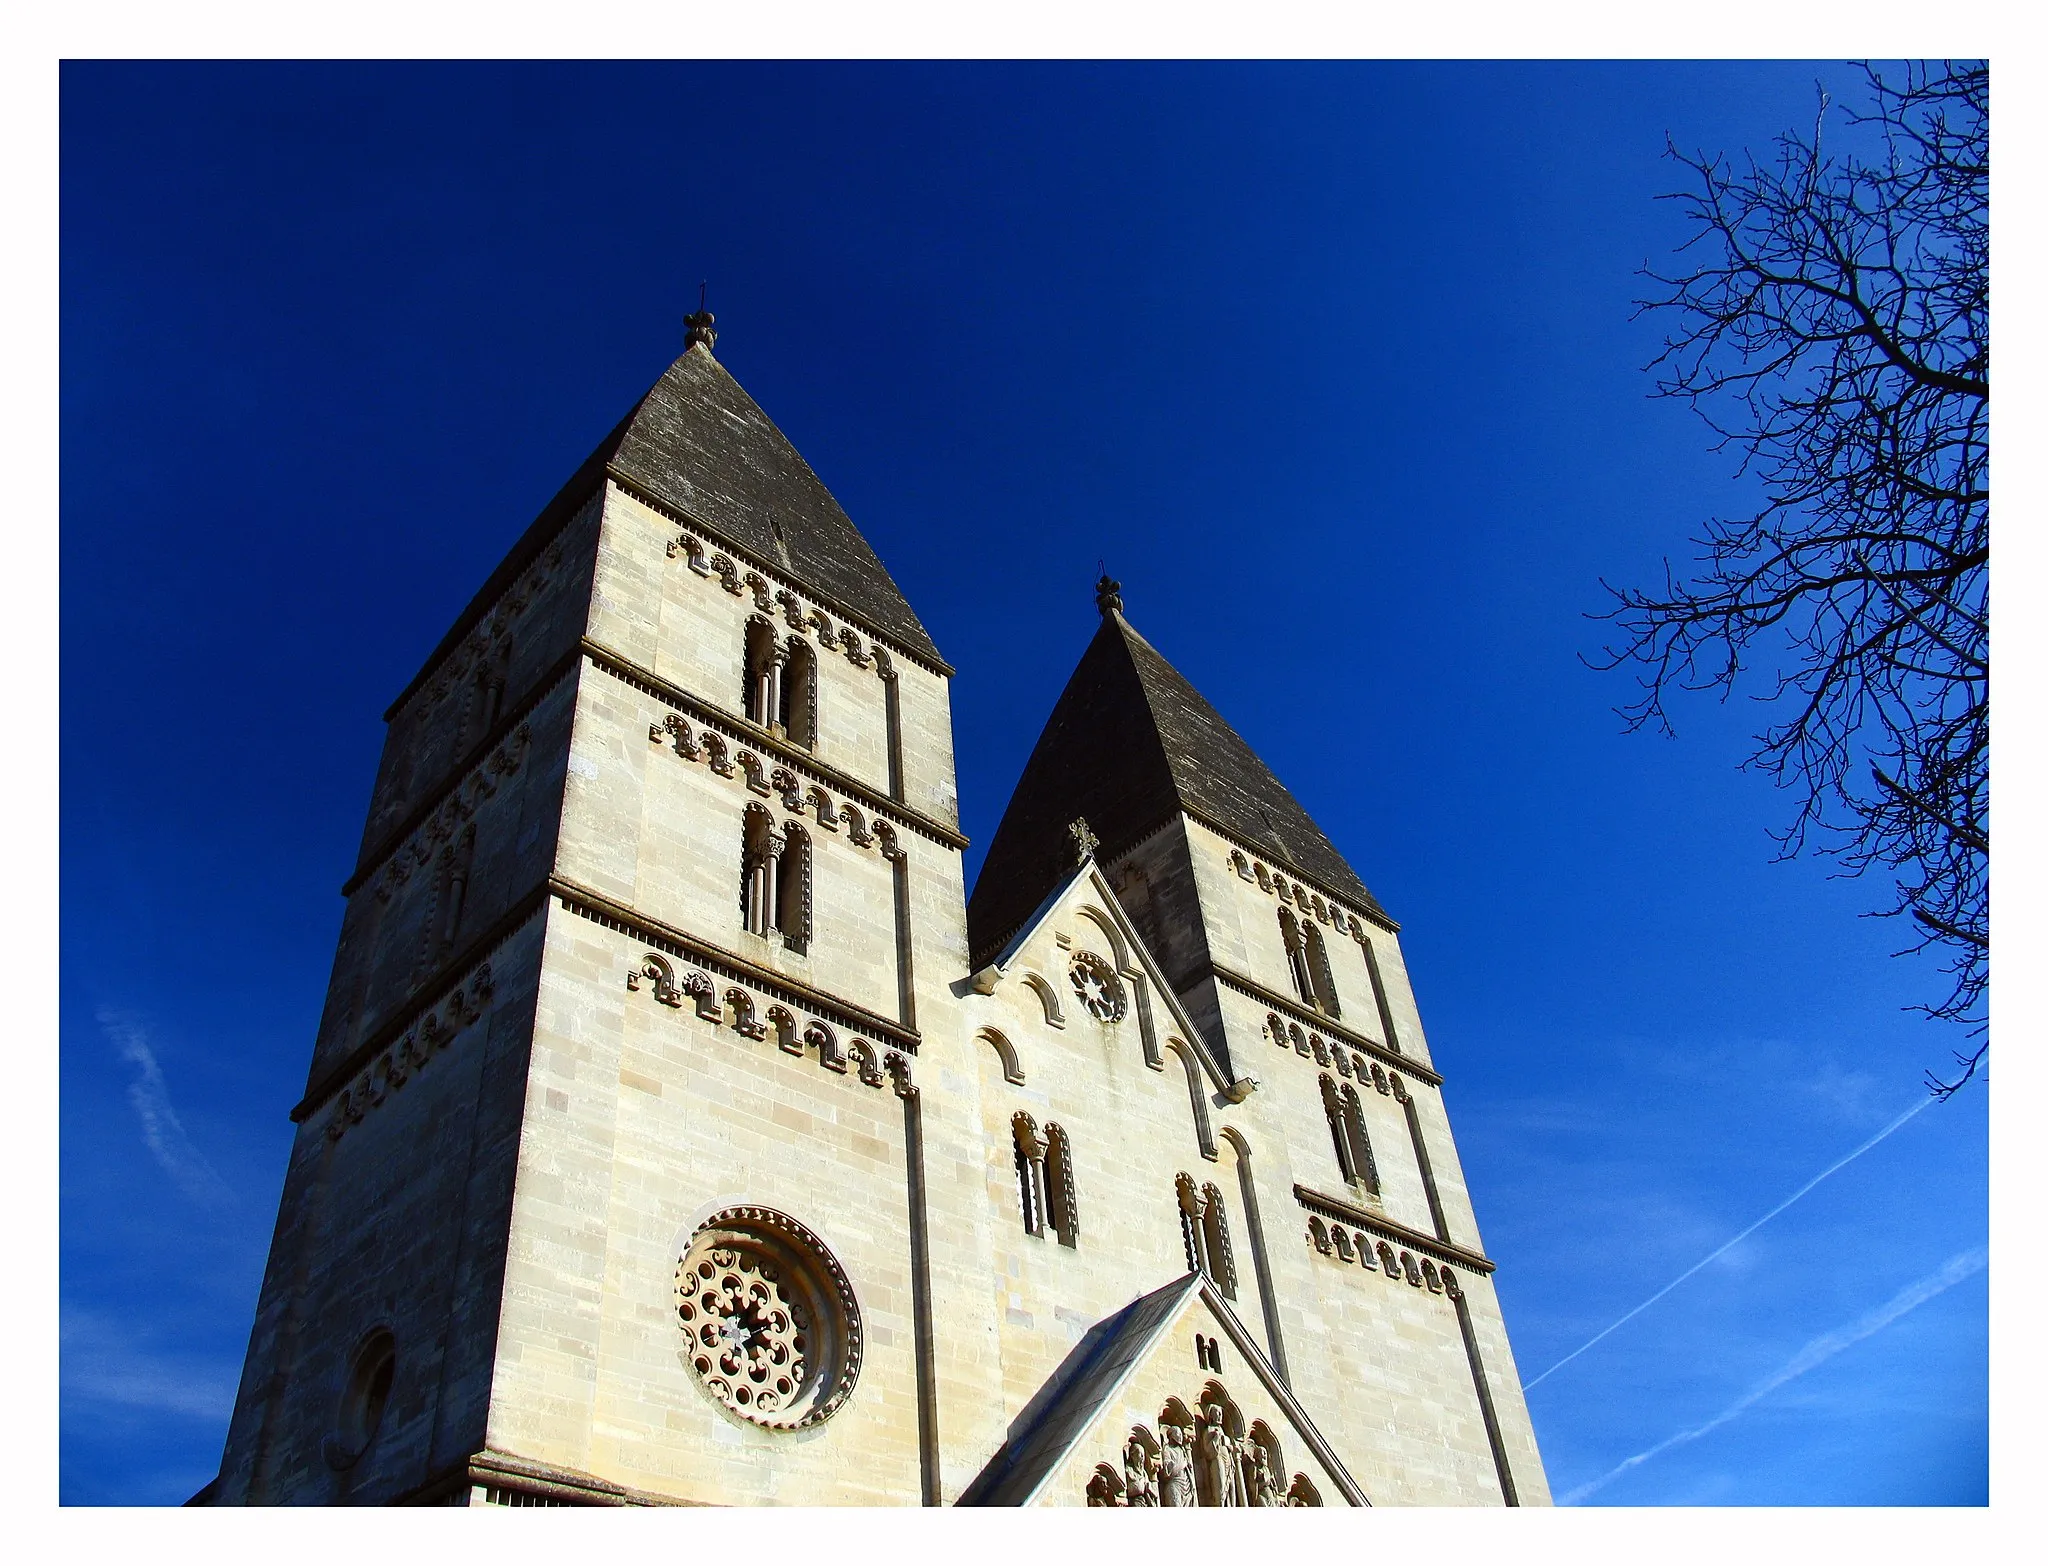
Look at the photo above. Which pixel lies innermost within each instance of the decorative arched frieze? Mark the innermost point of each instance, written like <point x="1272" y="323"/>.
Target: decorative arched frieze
<point x="821" y="1037"/>
<point x="756" y="773"/>
<point x="867" y="1062"/>
<point x="856" y="826"/>
<point x="744" y="1022"/>
<point x="693" y="552"/>
<point x="822" y="810"/>
<point x="455" y="814"/>
<point x="393" y="1067"/>
<point x="656" y="967"/>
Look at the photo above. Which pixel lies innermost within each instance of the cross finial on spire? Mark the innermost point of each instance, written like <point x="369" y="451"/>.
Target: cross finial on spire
<point x="1085" y="841"/>
<point x="698" y="324"/>
<point x="1109" y="594"/>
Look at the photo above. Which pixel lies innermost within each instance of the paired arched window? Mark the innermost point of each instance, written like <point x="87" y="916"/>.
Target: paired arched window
<point x="781" y="684"/>
<point x="1346" y="1115"/>
<point x="775" y="880"/>
<point x="798" y="710"/>
<point x="1045" y="1179"/>
<point x="763" y="687"/>
<point x="451" y="894"/>
<point x="1297" y="957"/>
<point x="1308" y="963"/>
<point x="1205" y="1230"/>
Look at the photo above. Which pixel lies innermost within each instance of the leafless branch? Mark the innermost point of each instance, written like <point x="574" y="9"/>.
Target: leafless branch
<point x="1831" y="328"/>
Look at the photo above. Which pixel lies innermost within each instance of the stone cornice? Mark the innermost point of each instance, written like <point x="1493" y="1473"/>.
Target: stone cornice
<point x="595" y="906"/>
<point x="1318" y="1020"/>
<point x="747" y="732"/>
<point x="547" y="1484"/>
<point x="781" y="573"/>
<point x="1365" y="1218"/>
<point x="554" y="519"/>
<point x="394" y="839"/>
<point x="1375" y="914"/>
<point x="421" y="999"/>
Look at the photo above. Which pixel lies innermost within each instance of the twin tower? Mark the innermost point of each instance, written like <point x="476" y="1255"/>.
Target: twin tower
<point x="680" y="1132"/>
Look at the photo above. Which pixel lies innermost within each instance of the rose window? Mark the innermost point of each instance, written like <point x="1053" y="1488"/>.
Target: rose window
<point x="770" y="1324"/>
<point x="1101" y="996"/>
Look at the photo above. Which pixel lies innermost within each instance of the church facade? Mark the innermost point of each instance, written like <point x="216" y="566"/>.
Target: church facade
<point x="679" y="1131"/>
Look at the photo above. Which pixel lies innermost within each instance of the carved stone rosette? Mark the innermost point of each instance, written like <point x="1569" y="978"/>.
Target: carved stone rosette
<point x="770" y="1324"/>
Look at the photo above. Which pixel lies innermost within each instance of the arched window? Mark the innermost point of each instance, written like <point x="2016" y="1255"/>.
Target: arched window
<point x="1061" y="1210"/>
<point x="1347" y="1132"/>
<point x="487" y="699"/>
<point x="1361" y="1144"/>
<point x="451" y="894"/>
<point x="1297" y="957"/>
<point x="1323" y="993"/>
<point x="1333" y="1111"/>
<point x="1213" y="1229"/>
<point x="765" y="660"/>
<point x="793" y="889"/>
<point x="760" y="872"/>
<point x="1031" y="1151"/>
<point x="775" y="880"/>
<point x="797" y="709"/>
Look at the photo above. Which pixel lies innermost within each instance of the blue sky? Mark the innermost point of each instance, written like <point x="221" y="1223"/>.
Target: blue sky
<point x="1332" y="364"/>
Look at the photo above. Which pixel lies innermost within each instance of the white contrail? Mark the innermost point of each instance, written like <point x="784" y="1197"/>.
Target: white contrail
<point x="1716" y="1255"/>
<point x="1819" y="1351"/>
<point x="162" y="1131"/>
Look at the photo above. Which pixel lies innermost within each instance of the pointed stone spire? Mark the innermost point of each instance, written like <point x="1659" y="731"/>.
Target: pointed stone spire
<point x="1130" y="745"/>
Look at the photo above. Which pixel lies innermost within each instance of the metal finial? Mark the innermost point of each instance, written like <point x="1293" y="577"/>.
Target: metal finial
<point x="1085" y="841"/>
<point x="1109" y="594"/>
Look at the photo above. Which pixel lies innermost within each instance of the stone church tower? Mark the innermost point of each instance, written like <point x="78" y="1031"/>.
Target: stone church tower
<point x="679" y="1132"/>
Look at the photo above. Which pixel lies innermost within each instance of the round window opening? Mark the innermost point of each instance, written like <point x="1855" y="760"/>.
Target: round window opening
<point x="364" y="1392"/>
<point x="771" y="1327"/>
<point x="1101" y="996"/>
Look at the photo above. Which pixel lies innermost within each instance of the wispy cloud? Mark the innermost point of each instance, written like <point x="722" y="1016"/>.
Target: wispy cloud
<point x="102" y="1365"/>
<point x="1722" y="1250"/>
<point x="162" y="1130"/>
<point x="1818" y="1352"/>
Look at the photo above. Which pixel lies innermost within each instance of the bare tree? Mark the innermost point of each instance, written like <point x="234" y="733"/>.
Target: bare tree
<point x="1831" y="327"/>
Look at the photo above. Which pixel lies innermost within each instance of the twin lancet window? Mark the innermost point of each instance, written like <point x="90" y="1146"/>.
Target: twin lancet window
<point x="1308" y="962"/>
<point x="775" y="880"/>
<point x="1205" y="1230"/>
<point x="1347" y="1129"/>
<point x="1045" y="1179"/>
<point x="782" y="684"/>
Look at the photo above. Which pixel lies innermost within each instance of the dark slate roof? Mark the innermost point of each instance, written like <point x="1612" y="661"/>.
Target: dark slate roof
<point x="699" y="442"/>
<point x="1129" y="745"/>
<point x="1068" y="1403"/>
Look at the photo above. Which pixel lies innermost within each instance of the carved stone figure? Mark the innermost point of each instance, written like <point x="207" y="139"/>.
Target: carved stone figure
<point x="1266" y="1486"/>
<point x="1217" y="1453"/>
<point x="1176" y="1467"/>
<point x="1140" y="1467"/>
